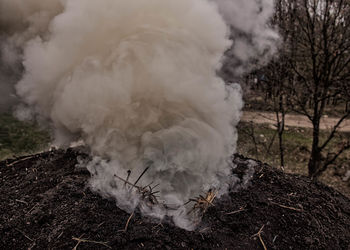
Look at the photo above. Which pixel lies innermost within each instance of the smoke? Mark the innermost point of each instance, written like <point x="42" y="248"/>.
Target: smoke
<point x="20" y="21"/>
<point x="137" y="82"/>
<point x="254" y="40"/>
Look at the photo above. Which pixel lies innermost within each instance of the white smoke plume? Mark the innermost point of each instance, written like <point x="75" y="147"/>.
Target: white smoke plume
<point x="20" y="21"/>
<point x="254" y="41"/>
<point x="137" y="82"/>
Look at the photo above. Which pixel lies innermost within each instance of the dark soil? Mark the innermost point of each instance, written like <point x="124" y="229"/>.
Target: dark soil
<point x="45" y="203"/>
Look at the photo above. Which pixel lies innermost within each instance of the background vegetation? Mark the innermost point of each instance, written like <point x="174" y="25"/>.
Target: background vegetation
<point x="19" y="138"/>
<point x="259" y="141"/>
<point x="310" y="76"/>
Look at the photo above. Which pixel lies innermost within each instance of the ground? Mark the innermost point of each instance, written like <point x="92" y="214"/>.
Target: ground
<point x="293" y="120"/>
<point x="45" y="203"/>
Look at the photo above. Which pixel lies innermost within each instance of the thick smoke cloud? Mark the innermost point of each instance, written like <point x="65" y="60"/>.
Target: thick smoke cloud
<point x="20" y="21"/>
<point x="254" y="41"/>
<point x="137" y="82"/>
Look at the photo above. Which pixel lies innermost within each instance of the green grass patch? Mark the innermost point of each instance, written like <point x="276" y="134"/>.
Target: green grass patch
<point x="18" y="138"/>
<point x="261" y="141"/>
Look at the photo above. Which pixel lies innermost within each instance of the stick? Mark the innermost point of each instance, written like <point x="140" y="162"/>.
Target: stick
<point x="236" y="212"/>
<point x="59" y="236"/>
<point x="283" y="206"/>
<point x="32" y="246"/>
<point x="149" y="185"/>
<point x="189" y="201"/>
<point x="127" y="182"/>
<point x="24" y="234"/>
<point x="20" y="160"/>
<point x="32" y="208"/>
<point x="101" y="224"/>
<point x="260" y="238"/>
<point x="127" y="223"/>
<point x="144" y="171"/>
<point x="89" y="241"/>
<point x="204" y="229"/>
<point x="159" y="224"/>
<point x="24" y="202"/>
<point x="76" y="246"/>
<point x="127" y="178"/>
<point x="262" y="242"/>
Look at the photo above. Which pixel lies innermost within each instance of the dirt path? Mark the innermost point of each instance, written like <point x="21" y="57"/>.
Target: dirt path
<point x="293" y="120"/>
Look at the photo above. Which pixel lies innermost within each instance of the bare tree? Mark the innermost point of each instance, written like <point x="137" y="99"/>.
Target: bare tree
<point x="278" y="74"/>
<point x="322" y="67"/>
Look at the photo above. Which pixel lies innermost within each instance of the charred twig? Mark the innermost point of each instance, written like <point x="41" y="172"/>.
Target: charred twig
<point x="149" y="185"/>
<point x="89" y="241"/>
<point x="144" y="171"/>
<point x="128" y="176"/>
<point x="189" y="201"/>
<point x="146" y="192"/>
<point x="260" y="238"/>
<point x="126" y="181"/>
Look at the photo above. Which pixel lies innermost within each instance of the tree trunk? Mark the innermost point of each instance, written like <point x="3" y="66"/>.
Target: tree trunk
<point x="315" y="157"/>
<point x="280" y="127"/>
<point x="280" y="137"/>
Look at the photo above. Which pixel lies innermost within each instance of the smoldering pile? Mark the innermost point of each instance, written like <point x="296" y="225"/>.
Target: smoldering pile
<point x="47" y="205"/>
<point x="137" y="82"/>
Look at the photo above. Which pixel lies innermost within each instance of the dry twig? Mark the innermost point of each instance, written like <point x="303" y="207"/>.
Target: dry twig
<point x="260" y="238"/>
<point x="128" y="221"/>
<point x="32" y="208"/>
<point x="158" y="225"/>
<point x="202" y="203"/>
<point x="20" y="201"/>
<point x="20" y="160"/>
<point x="237" y="211"/>
<point x="286" y="207"/>
<point x="146" y="192"/>
<point x="24" y="234"/>
<point x="144" y="171"/>
<point x="204" y="230"/>
<point x="89" y="241"/>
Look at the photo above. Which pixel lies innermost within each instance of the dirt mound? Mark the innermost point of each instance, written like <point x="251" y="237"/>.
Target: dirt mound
<point x="45" y="204"/>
